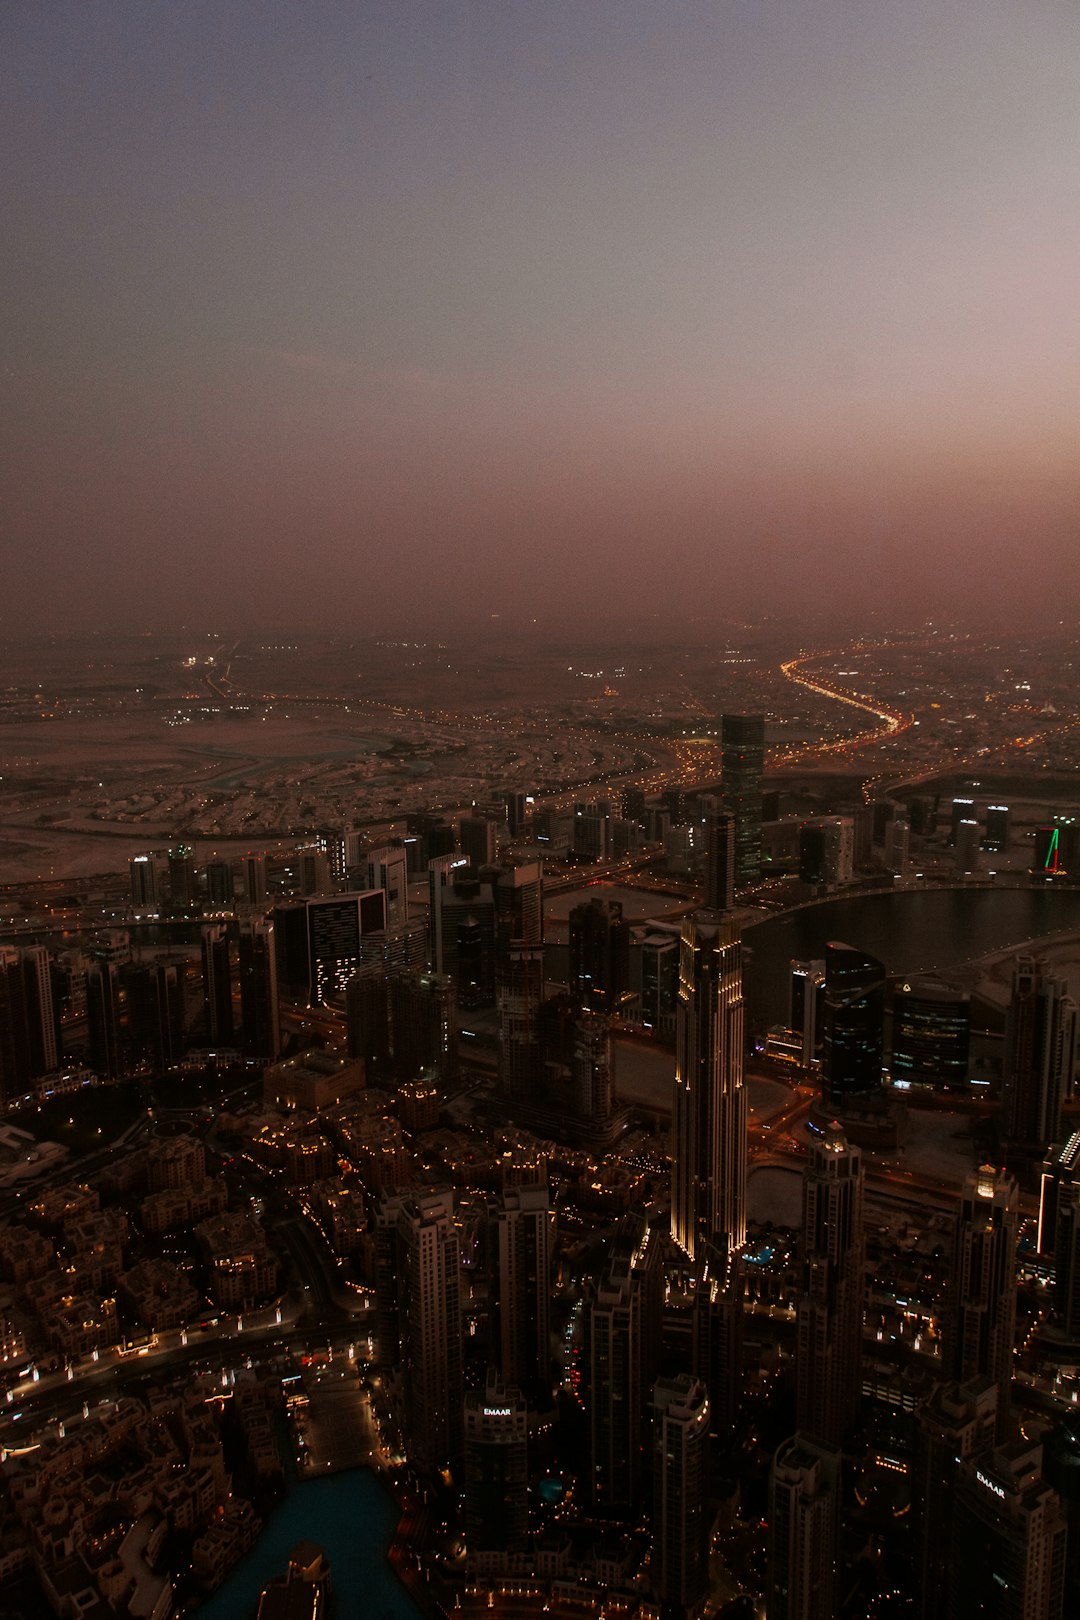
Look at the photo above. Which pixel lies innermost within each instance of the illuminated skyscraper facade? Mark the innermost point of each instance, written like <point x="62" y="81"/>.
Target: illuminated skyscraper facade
<point x="708" y="1202"/>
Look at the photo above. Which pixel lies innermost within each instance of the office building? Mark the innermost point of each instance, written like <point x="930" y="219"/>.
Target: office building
<point x="807" y="1006"/>
<point x="716" y="1345"/>
<point x="217" y="985"/>
<point x="853" y="1038"/>
<point x="591" y="1067"/>
<point x="429" y="1321"/>
<point x="1008" y="1536"/>
<point x="804" y="1530"/>
<point x="720" y="852"/>
<point x="962" y="810"/>
<point x="312" y="871"/>
<point x="335" y="927"/>
<point x="518" y="893"/>
<point x="898" y="845"/>
<point x="147" y="875"/>
<point x="525" y="1230"/>
<point x="386" y="869"/>
<point x="931" y="1032"/>
<point x="828" y="1360"/>
<point x="256" y="971"/>
<point x="742" y="739"/>
<point x="1040" y="1056"/>
<point x="253" y="870"/>
<point x="708" y="1192"/>
<point x="519" y="997"/>
<point x="181" y="878"/>
<point x="155" y="996"/>
<point x="956" y="1422"/>
<point x="659" y="982"/>
<point x="979" y="1318"/>
<point x="827" y="851"/>
<point x="599" y="953"/>
<point x="996" y="835"/>
<point x="103" y="1019"/>
<point x="219" y="885"/>
<point x="496" y="1474"/>
<point x="423" y="1026"/>
<point x="680" y="1513"/>
<point x="29" y="1028"/>
<point x="966" y="845"/>
<point x="479" y="840"/>
<point x="1061" y="1165"/>
<point x="462" y="929"/>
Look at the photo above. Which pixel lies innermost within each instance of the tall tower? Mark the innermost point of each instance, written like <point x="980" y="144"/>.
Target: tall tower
<point x="429" y="1318"/>
<point x="519" y="996"/>
<point x="1007" y="1542"/>
<point x="853" y="1045"/>
<point x="599" y="952"/>
<point x="720" y="839"/>
<point x="387" y="869"/>
<point x="260" y="1020"/>
<point x="708" y="1203"/>
<point x="742" y="739"/>
<point x="680" y="1560"/>
<point x="525" y="1228"/>
<point x="622" y="1323"/>
<point x="956" y="1422"/>
<point x="804" y="1528"/>
<point x="335" y="927"/>
<point x="1040" y="1055"/>
<point x="980" y="1318"/>
<point x="496" y="1474"/>
<point x="829" y="1350"/>
<point x="254" y="871"/>
<point x="217" y="984"/>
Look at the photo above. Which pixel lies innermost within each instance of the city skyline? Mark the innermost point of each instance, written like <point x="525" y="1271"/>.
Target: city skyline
<point x="407" y="316"/>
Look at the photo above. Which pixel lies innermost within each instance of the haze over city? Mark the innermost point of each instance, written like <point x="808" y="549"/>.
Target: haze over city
<point x="398" y="316"/>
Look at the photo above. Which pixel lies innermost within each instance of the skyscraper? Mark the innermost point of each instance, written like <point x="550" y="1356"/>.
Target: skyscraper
<point x="496" y="1474"/>
<point x="599" y="952"/>
<point x="429" y="1319"/>
<point x="828" y="1362"/>
<point x="720" y="851"/>
<point x="257" y="975"/>
<point x="519" y="997"/>
<point x="387" y="869"/>
<point x="804" y="1529"/>
<point x="335" y="927"/>
<point x="217" y="985"/>
<point x="1007" y="1541"/>
<point x="980" y="1315"/>
<point x="957" y="1422"/>
<point x="742" y="739"/>
<point x="680" y="1559"/>
<point x="525" y="1225"/>
<point x="1040" y="1056"/>
<point x="254" y="873"/>
<point x="807" y="1014"/>
<point x="931" y="1030"/>
<point x="853" y="1043"/>
<point x="146" y="873"/>
<point x="708" y="1201"/>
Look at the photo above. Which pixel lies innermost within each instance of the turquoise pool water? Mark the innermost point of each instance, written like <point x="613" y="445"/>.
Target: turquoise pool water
<point x="352" y="1517"/>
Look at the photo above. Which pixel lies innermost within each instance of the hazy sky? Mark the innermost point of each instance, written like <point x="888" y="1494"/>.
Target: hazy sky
<point x="391" y="314"/>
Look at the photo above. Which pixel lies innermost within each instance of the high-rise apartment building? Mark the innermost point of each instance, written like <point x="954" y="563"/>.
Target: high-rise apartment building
<point x="1040" y="1056"/>
<point x="828" y="1363"/>
<point x="519" y="998"/>
<point x="256" y="971"/>
<point x="217" y="985"/>
<point x="29" y="1030"/>
<point x="429" y="1321"/>
<point x="979" y="1320"/>
<point x="147" y="874"/>
<point x="387" y="869"/>
<point x="599" y="952"/>
<point x="742" y="739"/>
<point x="525" y="1225"/>
<point x="680" y="1514"/>
<point x="253" y="868"/>
<point x="219" y="885"/>
<point x="720" y="851"/>
<point x="804" y="1530"/>
<point x="708" y="1195"/>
